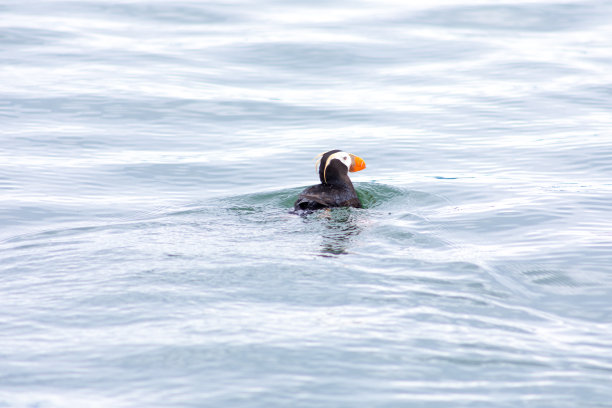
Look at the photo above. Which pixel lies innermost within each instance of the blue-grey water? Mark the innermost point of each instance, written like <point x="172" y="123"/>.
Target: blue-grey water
<point x="151" y="152"/>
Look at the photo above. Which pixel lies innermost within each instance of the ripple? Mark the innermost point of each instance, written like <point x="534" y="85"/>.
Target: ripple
<point x="152" y="152"/>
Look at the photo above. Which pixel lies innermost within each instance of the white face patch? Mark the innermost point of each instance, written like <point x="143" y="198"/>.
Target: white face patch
<point x="344" y="157"/>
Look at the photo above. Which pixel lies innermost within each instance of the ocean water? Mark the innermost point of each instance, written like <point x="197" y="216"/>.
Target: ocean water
<point x="151" y="152"/>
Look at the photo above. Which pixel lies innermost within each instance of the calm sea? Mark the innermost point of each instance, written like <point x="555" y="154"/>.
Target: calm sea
<point x="151" y="151"/>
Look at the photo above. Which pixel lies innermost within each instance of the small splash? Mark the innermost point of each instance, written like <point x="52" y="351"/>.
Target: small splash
<point x="375" y="194"/>
<point x="271" y="205"/>
<point x="270" y="199"/>
<point x="370" y="194"/>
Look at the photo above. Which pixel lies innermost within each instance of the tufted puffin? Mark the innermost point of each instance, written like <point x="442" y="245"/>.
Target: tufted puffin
<point x="336" y="189"/>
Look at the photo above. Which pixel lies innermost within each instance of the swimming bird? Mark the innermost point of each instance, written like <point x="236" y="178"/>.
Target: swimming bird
<point x="336" y="189"/>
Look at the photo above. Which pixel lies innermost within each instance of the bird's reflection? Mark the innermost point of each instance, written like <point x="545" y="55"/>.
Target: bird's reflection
<point x="341" y="228"/>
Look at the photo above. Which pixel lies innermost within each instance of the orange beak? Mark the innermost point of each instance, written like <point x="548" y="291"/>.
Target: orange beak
<point x="357" y="163"/>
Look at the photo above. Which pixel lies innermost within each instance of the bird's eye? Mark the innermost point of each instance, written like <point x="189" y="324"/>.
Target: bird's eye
<point x="344" y="157"/>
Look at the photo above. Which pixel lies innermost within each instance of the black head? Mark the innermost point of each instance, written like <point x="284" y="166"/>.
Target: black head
<point x="334" y="166"/>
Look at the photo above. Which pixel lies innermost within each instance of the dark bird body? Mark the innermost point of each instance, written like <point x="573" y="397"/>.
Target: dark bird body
<point x="336" y="189"/>
<point x="325" y="196"/>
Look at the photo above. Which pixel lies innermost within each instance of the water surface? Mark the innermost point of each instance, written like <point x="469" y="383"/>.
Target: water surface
<point x="151" y="153"/>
